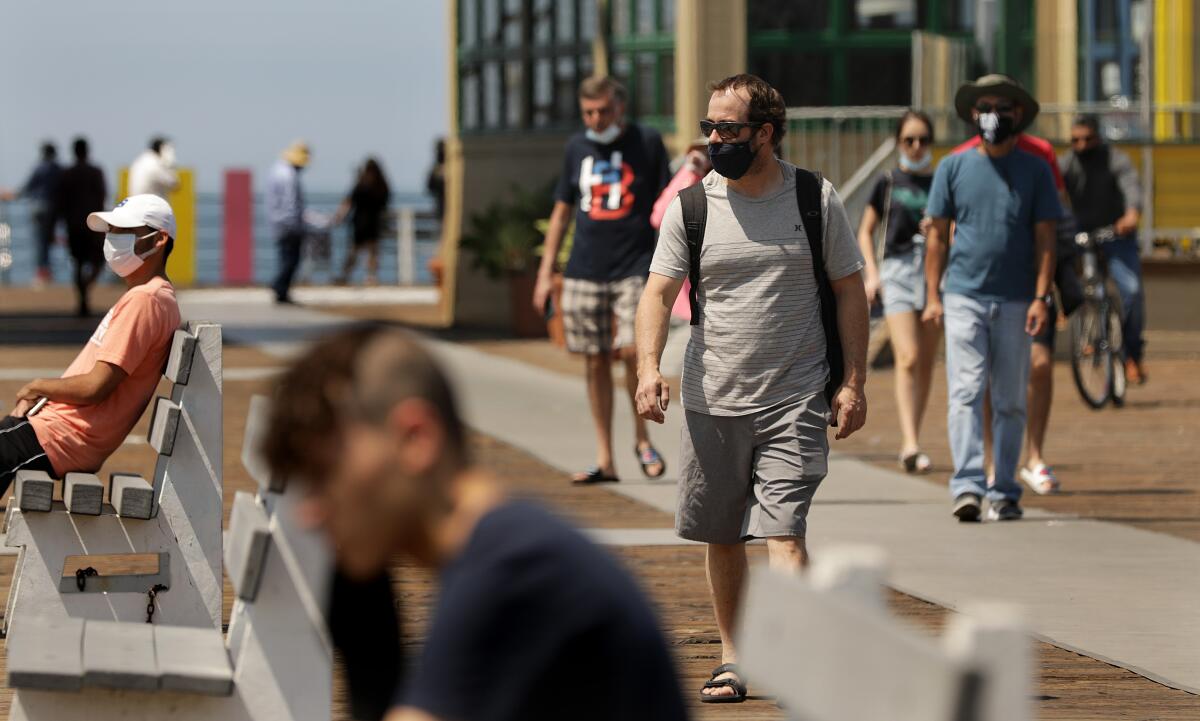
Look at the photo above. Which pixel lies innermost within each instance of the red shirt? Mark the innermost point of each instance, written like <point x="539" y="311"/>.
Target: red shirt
<point x="1030" y="144"/>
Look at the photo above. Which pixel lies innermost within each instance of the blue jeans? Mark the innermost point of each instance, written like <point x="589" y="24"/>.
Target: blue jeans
<point x="986" y="345"/>
<point x="1125" y="268"/>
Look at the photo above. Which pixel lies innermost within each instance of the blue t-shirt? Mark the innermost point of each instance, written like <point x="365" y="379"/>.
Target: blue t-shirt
<point x="994" y="203"/>
<point x="534" y="622"/>
<point x="614" y="187"/>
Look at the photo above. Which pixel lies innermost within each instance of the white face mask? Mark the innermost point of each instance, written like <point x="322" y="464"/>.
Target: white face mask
<point x="119" y="252"/>
<point x="606" y="136"/>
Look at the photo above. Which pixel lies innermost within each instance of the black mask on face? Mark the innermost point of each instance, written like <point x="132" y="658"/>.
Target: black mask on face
<point x="731" y="160"/>
<point x="1087" y="153"/>
<point x="995" y="128"/>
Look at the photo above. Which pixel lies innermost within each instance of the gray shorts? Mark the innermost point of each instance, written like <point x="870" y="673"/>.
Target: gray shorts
<point x="902" y="281"/>
<point x="752" y="476"/>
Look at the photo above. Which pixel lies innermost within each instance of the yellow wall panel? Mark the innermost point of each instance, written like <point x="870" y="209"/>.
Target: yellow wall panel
<point x="181" y="266"/>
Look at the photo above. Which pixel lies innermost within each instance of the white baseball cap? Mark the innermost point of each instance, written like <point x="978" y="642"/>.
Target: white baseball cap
<point x="134" y="212"/>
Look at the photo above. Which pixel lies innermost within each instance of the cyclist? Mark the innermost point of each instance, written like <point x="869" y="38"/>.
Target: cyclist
<point x="1104" y="190"/>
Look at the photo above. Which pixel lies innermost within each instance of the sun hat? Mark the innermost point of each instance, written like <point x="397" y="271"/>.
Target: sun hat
<point x="297" y="153"/>
<point x="134" y="212"/>
<point x="996" y="84"/>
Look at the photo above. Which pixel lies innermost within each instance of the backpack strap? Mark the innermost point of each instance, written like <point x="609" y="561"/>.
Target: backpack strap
<point x="694" y="204"/>
<point x="809" y="186"/>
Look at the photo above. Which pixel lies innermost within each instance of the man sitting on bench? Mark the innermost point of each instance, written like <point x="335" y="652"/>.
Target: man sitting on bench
<point x="75" y="422"/>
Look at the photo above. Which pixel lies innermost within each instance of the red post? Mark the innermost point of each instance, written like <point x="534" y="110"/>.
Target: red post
<point x="239" y="228"/>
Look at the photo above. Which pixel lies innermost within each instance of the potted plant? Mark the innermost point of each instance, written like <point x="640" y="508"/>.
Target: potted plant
<point x="504" y="239"/>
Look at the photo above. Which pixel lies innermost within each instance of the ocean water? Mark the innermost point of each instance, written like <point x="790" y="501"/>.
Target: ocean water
<point x="210" y="214"/>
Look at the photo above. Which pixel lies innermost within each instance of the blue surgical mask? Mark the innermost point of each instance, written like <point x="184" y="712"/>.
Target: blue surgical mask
<point x="909" y="165"/>
<point x="606" y="136"/>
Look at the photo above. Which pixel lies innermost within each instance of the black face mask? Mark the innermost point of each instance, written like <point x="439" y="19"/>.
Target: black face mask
<point x="995" y="128"/>
<point x="1087" y="153"/>
<point x="731" y="160"/>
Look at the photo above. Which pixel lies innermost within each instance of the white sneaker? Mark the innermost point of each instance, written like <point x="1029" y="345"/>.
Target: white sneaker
<point x="1040" y="478"/>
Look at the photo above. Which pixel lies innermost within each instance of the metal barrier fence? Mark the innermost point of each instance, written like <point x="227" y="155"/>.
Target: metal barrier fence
<point x="845" y="143"/>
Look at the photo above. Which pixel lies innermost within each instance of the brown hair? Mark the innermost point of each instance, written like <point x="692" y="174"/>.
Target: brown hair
<point x="598" y="87"/>
<point x="914" y="114"/>
<point x="766" y="104"/>
<point x="360" y="373"/>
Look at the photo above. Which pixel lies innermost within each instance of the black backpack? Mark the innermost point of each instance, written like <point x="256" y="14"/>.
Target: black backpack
<point x="694" y="204"/>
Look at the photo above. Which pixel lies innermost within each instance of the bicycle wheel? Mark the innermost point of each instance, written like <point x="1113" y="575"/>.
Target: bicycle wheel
<point x="1116" y="344"/>
<point x="1091" y="361"/>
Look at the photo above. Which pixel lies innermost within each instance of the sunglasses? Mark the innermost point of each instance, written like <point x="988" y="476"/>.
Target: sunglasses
<point x="986" y="107"/>
<point x="726" y="130"/>
<point x="916" y="139"/>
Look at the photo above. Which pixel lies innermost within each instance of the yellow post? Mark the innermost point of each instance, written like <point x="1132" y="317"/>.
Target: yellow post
<point x="1174" y="48"/>
<point x="181" y="266"/>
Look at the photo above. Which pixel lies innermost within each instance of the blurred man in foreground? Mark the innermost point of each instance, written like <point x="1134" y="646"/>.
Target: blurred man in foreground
<point x="532" y="621"/>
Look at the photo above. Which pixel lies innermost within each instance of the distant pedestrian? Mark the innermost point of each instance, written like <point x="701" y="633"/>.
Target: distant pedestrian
<point x="1036" y="472"/>
<point x="367" y="206"/>
<point x="435" y="182"/>
<point x="153" y="172"/>
<point x="1104" y="189"/>
<point x="285" y="210"/>
<point x="997" y="286"/>
<point x="693" y="166"/>
<point x="897" y="279"/>
<point x="777" y="351"/>
<point x="611" y="175"/>
<point x="532" y="621"/>
<point x="81" y="189"/>
<point x="40" y="191"/>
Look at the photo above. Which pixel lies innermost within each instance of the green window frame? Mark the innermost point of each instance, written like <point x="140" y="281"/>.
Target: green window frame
<point x="520" y="73"/>
<point x="840" y="40"/>
<point x="642" y="36"/>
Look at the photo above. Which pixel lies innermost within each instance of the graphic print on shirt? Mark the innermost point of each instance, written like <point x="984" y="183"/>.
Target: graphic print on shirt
<point x="102" y="329"/>
<point x="604" y="187"/>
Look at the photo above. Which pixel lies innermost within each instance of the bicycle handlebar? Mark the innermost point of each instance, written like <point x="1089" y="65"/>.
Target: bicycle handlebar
<point x="1106" y="234"/>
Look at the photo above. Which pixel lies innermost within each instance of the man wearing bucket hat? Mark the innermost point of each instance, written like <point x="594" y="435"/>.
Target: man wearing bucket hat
<point x="285" y="209"/>
<point x="75" y="422"/>
<point x="997" y="286"/>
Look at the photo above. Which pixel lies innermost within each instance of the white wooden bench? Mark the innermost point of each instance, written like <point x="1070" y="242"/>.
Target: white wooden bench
<point x="179" y="514"/>
<point x="826" y="646"/>
<point x="275" y="663"/>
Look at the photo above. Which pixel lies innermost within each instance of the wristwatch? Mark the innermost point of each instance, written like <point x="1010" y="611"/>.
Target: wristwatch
<point x="1048" y="299"/>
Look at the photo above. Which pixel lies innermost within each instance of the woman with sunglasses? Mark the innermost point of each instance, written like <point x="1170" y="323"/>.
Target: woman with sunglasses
<point x="895" y="270"/>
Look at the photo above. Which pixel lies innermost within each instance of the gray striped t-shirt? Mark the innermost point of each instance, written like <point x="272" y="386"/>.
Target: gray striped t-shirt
<point x="759" y="341"/>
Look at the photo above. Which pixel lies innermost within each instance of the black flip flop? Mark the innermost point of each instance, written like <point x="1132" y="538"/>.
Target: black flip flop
<point x="594" y="475"/>
<point x="738" y="686"/>
<point x="649" y="457"/>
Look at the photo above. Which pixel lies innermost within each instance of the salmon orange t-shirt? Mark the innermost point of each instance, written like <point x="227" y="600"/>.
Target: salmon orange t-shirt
<point x="135" y="335"/>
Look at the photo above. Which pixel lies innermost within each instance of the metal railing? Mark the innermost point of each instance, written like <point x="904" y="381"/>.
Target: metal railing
<point x="847" y="145"/>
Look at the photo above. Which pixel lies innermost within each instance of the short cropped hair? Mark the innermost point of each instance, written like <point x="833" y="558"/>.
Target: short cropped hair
<point x="1091" y="121"/>
<point x="358" y="374"/>
<point x="766" y="103"/>
<point x="599" y="87"/>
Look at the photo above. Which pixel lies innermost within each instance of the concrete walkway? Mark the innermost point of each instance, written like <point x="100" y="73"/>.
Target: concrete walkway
<point x="1112" y="592"/>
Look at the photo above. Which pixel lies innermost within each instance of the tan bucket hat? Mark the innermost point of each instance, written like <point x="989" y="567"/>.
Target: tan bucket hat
<point x="996" y="84"/>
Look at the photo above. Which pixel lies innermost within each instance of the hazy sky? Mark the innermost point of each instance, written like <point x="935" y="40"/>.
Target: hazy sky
<point x="230" y="81"/>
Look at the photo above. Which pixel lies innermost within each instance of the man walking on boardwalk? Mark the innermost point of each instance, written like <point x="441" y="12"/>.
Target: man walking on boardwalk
<point x="777" y="351"/>
<point x="997" y="286"/>
<point x="613" y="172"/>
